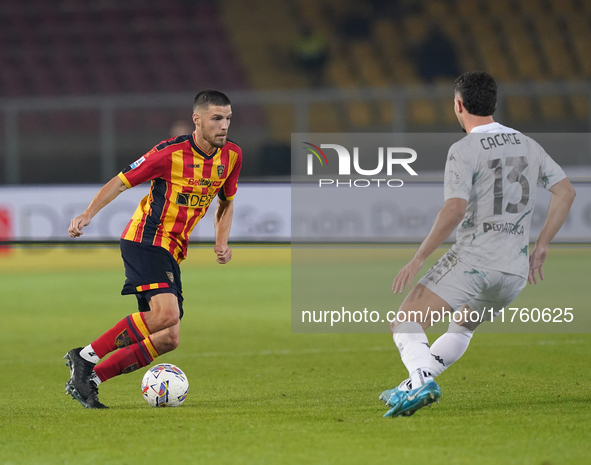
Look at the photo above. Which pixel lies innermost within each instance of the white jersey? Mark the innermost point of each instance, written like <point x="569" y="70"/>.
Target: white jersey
<point x="495" y="169"/>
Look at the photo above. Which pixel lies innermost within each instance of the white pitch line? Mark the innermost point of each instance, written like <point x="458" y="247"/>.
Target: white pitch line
<point x="351" y="349"/>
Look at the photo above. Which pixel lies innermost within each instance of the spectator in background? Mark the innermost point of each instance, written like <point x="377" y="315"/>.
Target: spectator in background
<point x="436" y="56"/>
<point x="311" y="54"/>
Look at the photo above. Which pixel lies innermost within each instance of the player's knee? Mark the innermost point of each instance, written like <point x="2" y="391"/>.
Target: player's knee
<point x="164" y="312"/>
<point x="170" y="317"/>
<point x="165" y="318"/>
<point x="168" y="344"/>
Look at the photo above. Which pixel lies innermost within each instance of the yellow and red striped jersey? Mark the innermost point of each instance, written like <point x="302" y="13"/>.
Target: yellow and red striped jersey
<point x="185" y="180"/>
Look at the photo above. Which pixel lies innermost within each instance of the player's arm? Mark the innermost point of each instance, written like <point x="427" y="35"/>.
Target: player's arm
<point x="563" y="195"/>
<point x="103" y="197"/>
<point x="447" y="220"/>
<point x="222" y="222"/>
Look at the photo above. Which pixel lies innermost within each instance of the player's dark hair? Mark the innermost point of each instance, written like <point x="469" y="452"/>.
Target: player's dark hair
<point x="478" y="91"/>
<point x="210" y="97"/>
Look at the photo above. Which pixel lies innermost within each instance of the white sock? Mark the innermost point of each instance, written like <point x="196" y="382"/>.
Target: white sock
<point x="94" y="378"/>
<point x="405" y="385"/>
<point x="88" y="354"/>
<point x="449" y="347"/>
<point x="420" y="376"/>
<point x="412" y="342"/>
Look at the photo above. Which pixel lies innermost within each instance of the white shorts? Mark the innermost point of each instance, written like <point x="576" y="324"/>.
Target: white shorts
<point x="460" y="284"/>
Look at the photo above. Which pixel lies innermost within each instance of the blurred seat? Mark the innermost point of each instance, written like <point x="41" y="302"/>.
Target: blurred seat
<point x="519" y="108"/>
<point x="523" y="53"/>
<point x="371" y="69"/>
<point x="531" y="7"/>
<point x="500" y="7"/>
<point x="324" y="117"/>
<point x="552" y="107"/>
<point x="340" y="73"/>
<point x="554" y="48"/>
<point x="488" y="44"/>
<point x="578" y="27"/>
<point x="393" y="56"/>
<point x="422" y="111"/>
<point x="561" y="7"/>
<point x="580" y="106"/>
<point x="468" y="8"/>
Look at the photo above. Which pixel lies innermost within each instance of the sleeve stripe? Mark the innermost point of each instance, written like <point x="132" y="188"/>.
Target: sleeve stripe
<point x="125" y="181"/>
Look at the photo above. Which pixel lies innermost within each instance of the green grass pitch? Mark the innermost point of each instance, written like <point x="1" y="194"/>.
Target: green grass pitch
<point x="262" y="395"/>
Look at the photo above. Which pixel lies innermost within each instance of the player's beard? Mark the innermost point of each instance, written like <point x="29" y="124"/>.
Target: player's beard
<point x="214" y="141"/>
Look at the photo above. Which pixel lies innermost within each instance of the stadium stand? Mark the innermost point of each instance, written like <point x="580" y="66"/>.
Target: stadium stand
<point x="138" y="46"/>
<point x="54" y="48"/>
<point x="528" y="40"/>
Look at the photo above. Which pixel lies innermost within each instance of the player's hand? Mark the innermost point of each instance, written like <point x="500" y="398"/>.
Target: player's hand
<point x="536" y="259"/>
<point x="76" y="225"/>
<point x="406" y="275"/>
<point x="224" y="254"/>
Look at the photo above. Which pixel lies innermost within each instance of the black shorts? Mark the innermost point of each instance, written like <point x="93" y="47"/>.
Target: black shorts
<point x="150" y="270"/>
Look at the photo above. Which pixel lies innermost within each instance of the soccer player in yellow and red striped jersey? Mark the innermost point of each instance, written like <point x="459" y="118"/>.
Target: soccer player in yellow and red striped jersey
<point x="186" y="174"/>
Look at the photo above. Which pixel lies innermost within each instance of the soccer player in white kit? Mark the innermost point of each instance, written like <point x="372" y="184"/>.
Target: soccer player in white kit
<point x="490" y="193"/>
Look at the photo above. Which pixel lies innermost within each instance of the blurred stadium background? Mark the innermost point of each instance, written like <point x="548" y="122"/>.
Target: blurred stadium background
<point x="87" y="87"/>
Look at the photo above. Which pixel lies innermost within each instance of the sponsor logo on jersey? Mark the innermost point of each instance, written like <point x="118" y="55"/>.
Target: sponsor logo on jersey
<point x="204" y="183"/>
<point x="442" y="267"/>
<point x="193" y="200"/>
<point x="468" y="222"/>
<point x="452" y="176"/>
<point x="507" y="228"/>
<point x="137" y="163"/>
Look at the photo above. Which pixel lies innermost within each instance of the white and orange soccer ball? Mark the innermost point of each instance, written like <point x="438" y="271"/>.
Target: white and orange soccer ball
<point x="165" y="385"/>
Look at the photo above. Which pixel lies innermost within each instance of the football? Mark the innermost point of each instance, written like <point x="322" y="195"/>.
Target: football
<point x="165" y="385"/>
